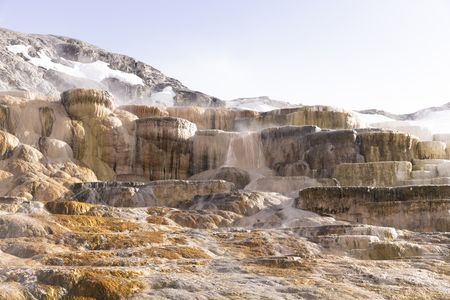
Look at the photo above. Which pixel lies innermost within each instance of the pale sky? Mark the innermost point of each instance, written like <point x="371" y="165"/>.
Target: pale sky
<point x="386" y="54"/>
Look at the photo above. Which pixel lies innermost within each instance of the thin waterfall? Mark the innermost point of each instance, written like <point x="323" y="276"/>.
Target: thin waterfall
<point x="245" y="151"/>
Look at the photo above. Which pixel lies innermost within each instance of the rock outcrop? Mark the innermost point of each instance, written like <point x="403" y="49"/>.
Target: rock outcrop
<point x="418" y="208"/>
<point x="239" y="177"/>
<point x="156" y="193"/>
<point x="321" y="116"/>
<point x="231" y="119"/>
<point x="385" y="145"/>
<point x="385" y="173"/>
<point x="163" y="147"/>
<point x="48" y="65"/>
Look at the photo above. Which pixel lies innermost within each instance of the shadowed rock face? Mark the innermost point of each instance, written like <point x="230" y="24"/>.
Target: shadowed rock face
<point x="157" y="193"/>
<point x="163" y="147"/>
<point x="298" y="151"/>
<point x="419" y="208"/>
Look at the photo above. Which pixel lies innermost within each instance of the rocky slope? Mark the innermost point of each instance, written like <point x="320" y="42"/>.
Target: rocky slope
<point x="100" y="200"/>
<point x="430" y="124"/>
<point x="49" y="65"/>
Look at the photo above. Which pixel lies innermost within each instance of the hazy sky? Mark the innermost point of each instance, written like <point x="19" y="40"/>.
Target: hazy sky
<point x="390" y="54"/>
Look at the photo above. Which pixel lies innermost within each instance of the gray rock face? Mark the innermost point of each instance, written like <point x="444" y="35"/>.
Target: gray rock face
<point x="298" y="151"/>
<point x="418" y="208"/>
<point x="156" y="193"/>
<point x="23" y="69"/>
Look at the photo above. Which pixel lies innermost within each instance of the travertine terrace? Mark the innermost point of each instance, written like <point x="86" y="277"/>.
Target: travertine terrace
<point x="100" y="201"/>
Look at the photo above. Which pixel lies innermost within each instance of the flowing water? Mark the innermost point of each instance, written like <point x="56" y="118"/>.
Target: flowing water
<point x="245" y="151"/>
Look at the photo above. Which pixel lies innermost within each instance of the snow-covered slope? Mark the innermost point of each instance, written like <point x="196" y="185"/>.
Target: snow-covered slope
<point x="96" y="71"/>
<point x="427" y="124"/>
<point x="260" y="104"/>
<point x="48" y="65"/>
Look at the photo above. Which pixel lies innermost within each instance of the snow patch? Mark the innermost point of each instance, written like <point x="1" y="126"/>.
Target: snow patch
<point x="259" y="104"/>
<point x="260" y="107"/>
<point x="369" y="119"/>
<point x="424" y="127"/>
<point x="96" y="71"/>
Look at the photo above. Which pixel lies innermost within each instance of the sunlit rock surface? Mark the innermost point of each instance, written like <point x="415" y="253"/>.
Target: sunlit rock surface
<point x="145" y="202"/>
<point x="231" y="119"/>
<point x="385" y="173"/>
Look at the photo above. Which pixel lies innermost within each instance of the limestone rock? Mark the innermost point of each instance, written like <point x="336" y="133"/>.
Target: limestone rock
<point x="203" y="219"/>
<point x="13" y="291"/>
<point x="299" y="151"/>
<point x="287" y="185"/>
<point x="44" y="118"/>
<point x="68" y="207"/>
<point x="144" y="111"/>
<point x="8" y="143"/>
<point x="214" y="118"/>
<point x="321" y="116"/>
<point x="229" y="119"/>
<point x="285" y="147"/>
<point x="389" y="250"/>
<point x="163" y="147"/>
<point x="210" y="149"/>
<point x="432" y="150"/>
<point x="386" y="173"/>
<point x="185" y="97"/>
<point x="240" y="178"/>
<point x="239" y="202"/>
<point x="165" y="192"/>
<point x="420" y="208"/>
<point x="27" y="153"/>
<point x="386" y="146"/>
<point x="17" y="225"/>
<point x="55" y="150"/>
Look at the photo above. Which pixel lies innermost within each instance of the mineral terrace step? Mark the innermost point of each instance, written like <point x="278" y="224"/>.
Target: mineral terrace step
<point x="417" y="208"/>
<point x="347" y="242"/>
<point x="429" y="181"/>
<point x="421" y="174"/>
<point x="313" y="232"/>
<point x="427" y="164"/>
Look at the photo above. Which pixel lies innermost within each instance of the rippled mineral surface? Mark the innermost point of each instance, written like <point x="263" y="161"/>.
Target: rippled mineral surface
<point x="99" y="201"/>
